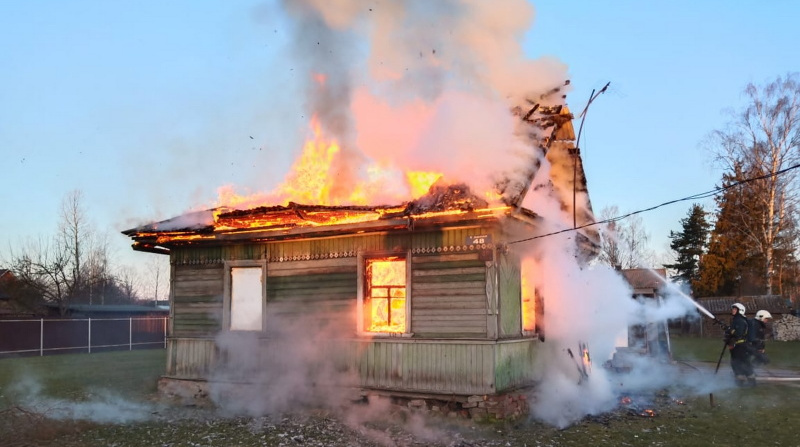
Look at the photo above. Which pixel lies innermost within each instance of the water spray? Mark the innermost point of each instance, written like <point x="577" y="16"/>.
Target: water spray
<point x="702" y="309"/>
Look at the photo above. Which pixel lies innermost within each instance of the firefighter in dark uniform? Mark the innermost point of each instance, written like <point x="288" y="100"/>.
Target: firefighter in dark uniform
<point x="756" y="336"/>
<point x="736" y="339"/>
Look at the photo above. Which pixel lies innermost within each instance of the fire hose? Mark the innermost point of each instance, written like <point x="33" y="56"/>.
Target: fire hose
<point x="715" y="320"/>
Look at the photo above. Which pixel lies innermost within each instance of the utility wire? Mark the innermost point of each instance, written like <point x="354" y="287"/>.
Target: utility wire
<point x="701" y="195"/>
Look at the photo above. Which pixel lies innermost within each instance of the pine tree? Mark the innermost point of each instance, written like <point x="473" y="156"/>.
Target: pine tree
<point x="689" y="244"/>
<point x="732" y="265"/>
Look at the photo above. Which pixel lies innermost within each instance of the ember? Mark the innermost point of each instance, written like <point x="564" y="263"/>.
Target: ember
<point x="585" y="365"/>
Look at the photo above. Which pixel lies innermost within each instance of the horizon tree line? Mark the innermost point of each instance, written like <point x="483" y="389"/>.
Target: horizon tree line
<point x="73" y="266"/>
<point x="748" y="245"/>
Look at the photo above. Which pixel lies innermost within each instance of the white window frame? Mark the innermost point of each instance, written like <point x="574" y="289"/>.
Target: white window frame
<point x="362" y="268"/>
<point x="228" y="289"/>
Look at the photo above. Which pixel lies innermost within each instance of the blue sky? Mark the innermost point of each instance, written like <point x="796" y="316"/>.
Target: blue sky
<point x="147" y="107"/>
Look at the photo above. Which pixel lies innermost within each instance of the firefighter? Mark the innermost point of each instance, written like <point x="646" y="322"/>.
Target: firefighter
<point x="756" y="334"/>
<point x="736" y="339"/>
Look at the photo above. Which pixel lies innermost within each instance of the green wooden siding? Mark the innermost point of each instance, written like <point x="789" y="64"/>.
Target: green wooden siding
<point x="197" y="299"/>
<point x="315" y="294"/>
<point x="422" y="366"/>
<point x="448" y="296"/>
<point x="191" y="358"/>
<point x="514" y="363"/>
<point x="509" y="295"/>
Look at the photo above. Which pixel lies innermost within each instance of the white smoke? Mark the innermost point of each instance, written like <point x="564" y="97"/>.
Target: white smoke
<point x="591" y="305"/>
<point x="291" y="371"/>
<point x="98" y="405"/>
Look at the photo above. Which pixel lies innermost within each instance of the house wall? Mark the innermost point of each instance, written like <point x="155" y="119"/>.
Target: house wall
<point x="461" y="302"/>
<point x="509" y="295"/>
<point x="434" y="366"/>
<point x="449" y="296"/>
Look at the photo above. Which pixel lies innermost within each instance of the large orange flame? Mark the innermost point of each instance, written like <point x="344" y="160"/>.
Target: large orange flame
<point x="387" y="295"/>
<point x="312" y="178"/>
<point x="528" y="296"/>
<point x="309" y="180"/>
<point x="420" y="181"/>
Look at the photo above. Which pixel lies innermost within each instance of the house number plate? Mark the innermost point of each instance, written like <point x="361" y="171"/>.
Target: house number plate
<point x="479" y="240"/>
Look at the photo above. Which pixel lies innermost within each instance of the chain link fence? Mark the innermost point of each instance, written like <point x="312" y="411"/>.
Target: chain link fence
<point x="45" y="336"/>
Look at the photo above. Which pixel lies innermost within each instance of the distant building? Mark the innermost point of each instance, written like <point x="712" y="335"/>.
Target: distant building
<point x="108" y="311"/>
<point x="651" y="338"/>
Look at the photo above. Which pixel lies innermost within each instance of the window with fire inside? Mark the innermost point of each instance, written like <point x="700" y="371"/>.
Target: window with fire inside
<point x="384" y="306"/>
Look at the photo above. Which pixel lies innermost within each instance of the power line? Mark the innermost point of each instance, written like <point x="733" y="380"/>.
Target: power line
<point x="701" y="195"/>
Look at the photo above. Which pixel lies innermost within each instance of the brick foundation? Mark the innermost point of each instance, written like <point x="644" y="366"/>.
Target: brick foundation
<point x="484" y="407"/>
<point x="477" y="407"/>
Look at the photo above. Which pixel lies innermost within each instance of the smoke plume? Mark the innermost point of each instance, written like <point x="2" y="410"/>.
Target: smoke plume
<point x="419" y="86"/>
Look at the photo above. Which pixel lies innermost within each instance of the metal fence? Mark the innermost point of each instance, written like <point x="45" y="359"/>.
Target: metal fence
<point x="27" y="337"/>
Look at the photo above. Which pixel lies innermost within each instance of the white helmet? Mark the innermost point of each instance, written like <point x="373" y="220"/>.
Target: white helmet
<point x="739" y="306"/>
<point x="762" y="315"/>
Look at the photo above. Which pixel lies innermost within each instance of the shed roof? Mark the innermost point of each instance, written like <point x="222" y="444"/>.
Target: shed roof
<point x="112" y="308"/>
<point x="645" y="280"/>
<point x="775" y="304"/>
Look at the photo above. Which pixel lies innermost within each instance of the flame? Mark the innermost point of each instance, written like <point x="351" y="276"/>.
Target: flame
<point x="420" y="181"/>
<point x="310" y="178"/>
<point x="386" y="284"/>
<point x="528" y="296"/>
<point x="161" y="239"/>
<point x="587" y="361"/>
<point x="648" y="413"/>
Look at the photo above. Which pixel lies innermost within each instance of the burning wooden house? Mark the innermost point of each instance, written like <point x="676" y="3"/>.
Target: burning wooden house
<point x="424" y="298"/>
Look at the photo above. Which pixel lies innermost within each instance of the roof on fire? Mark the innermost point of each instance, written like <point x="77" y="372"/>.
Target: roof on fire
<point x="443" y="205"/>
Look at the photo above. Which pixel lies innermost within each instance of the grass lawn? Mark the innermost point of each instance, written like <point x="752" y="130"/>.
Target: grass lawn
<point x="768" y="414"/>
<point x="72" y="376"/>
<point x="782" y="354"/>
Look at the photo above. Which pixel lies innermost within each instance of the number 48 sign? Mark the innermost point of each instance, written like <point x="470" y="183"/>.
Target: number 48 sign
<point x="479" y="240"/>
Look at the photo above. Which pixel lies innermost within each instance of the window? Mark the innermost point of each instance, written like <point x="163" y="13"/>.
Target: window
<point x="244" y="296"/>
<point x="384" y="307"/>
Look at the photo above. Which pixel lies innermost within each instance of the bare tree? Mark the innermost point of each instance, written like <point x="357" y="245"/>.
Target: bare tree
<point x="156" y="271"/>
<point x="97" y="268"/>
<point x="610" y="249"/>
<point x="764" y="139"/>
<point x="64" y="268"/>
<point x="624" y="242"/>
<point x="127" y="283"/>
<point x="45" y="269"/>
<point x="72" y="231"/>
